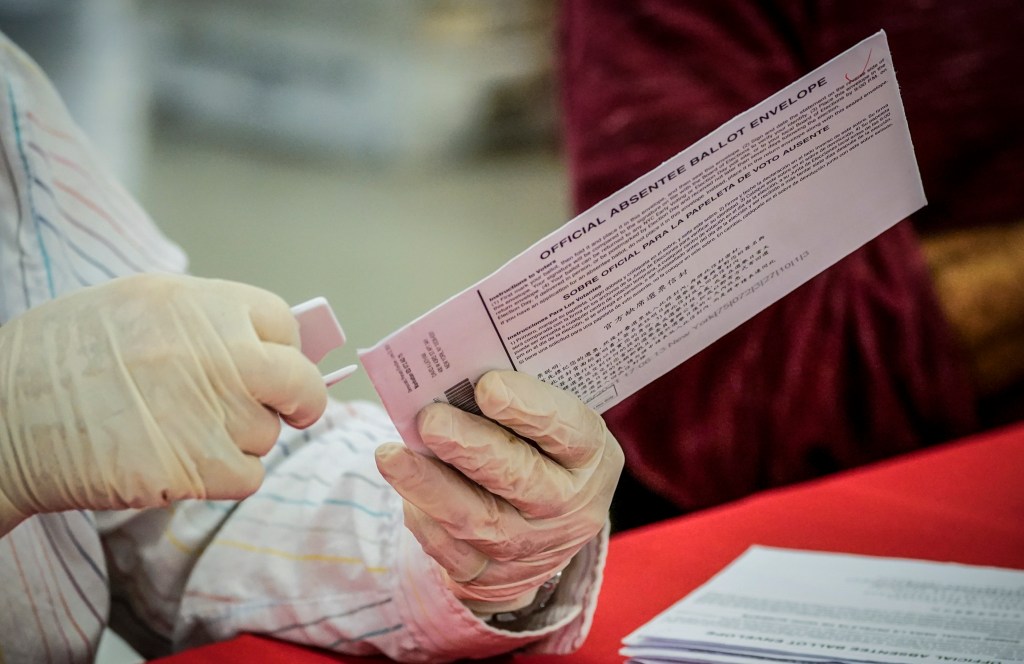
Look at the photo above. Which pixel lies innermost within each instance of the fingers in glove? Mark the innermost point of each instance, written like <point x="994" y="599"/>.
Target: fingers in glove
<point x="459" y="559"/>
<point x="465" y="511"/>
<point x="496" y="459"/>
<point x="563" y="426"/>
<point x="281" y="378"/>
<point x="231" y="479"/>
<point x="472" y="576"/>
<point x="274" y="372"/>
<point x="253" y="427"/>
<point x="271" y="317"/>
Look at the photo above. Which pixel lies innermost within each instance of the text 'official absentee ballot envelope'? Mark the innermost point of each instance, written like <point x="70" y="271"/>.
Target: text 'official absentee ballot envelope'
<point x="658" y="271"/>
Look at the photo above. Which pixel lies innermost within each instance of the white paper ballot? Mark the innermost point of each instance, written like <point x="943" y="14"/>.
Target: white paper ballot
<point x="656" y="272"/>
<point x="783" y="605"/>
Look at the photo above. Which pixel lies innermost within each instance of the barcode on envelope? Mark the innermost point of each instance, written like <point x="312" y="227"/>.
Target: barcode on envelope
<point x="461" y="396"/>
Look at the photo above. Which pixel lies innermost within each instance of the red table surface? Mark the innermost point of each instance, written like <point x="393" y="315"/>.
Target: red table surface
<point x="961" y="502"/>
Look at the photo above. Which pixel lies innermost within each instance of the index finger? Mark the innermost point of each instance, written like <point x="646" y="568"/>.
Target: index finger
<point x="564" y="427"/>
<point x="271" y="316"/>
<point x="281" y="378"/>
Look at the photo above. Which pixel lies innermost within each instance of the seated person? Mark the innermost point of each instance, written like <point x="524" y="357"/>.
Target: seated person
<point x="916" y="338"/>
<point x="145" y="478"/>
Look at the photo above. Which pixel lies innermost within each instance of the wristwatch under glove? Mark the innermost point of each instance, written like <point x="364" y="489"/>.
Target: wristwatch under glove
<point x="545" y="592"/>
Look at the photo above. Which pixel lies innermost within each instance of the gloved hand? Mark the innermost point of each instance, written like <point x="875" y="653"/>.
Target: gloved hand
<point x="499" y="514"/>
<point x="147" y="390"/>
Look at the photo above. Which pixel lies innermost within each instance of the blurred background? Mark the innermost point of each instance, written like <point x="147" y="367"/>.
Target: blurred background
<point x="383" y="153"/>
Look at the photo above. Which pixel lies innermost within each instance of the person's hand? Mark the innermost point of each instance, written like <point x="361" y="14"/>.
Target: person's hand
<point x="147" y="390"/>
<point x="500" y="514"/>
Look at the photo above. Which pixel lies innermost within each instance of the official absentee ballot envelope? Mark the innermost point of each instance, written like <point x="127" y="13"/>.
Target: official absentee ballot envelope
<point x="658" y="271"/>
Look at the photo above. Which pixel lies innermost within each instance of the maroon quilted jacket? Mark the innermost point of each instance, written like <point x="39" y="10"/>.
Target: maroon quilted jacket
<point x="859" y="363"/>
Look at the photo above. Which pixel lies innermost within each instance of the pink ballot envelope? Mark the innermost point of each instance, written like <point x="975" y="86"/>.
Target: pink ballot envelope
<point x="661" y="269"/>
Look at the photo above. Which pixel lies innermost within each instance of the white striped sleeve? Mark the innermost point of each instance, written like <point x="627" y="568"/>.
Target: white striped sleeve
<point x="319" y="556"/>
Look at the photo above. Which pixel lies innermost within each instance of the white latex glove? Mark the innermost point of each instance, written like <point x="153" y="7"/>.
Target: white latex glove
<point x="499" y="514"/>
<point x="147" y="390"/>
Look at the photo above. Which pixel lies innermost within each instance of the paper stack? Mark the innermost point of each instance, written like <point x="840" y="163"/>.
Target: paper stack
<point x="777" y="605"/>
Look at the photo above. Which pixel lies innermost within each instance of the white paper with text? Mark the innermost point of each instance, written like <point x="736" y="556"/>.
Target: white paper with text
<point x="655" y="273"/>
<point x="777" y="604"/>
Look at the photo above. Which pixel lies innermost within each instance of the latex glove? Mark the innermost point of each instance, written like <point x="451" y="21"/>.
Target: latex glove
<point x="147" y="390"/>
<point x="499" y="514"/>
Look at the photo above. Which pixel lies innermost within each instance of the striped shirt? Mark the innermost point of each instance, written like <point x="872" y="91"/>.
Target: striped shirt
<point x="318" y="555"/>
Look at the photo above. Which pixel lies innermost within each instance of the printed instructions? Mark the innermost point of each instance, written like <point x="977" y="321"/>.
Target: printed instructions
<point x="655" y="273"/>
<point x="774" y="605"/>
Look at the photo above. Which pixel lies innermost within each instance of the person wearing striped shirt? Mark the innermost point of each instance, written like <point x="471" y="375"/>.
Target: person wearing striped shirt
<point x="171" y="465"/>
